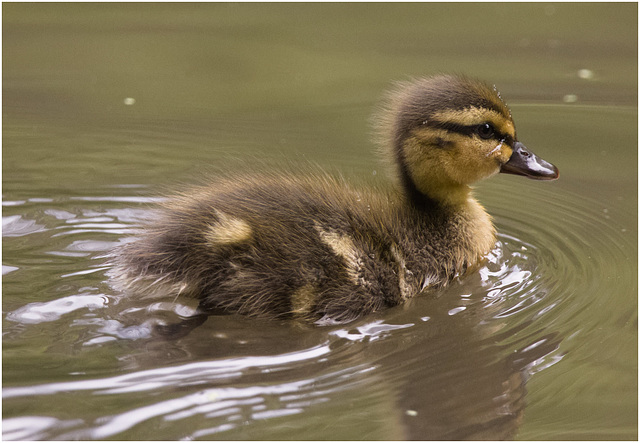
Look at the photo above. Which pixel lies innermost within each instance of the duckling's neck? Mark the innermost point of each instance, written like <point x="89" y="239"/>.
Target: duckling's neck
<point x="452" y="196"/>
<point x="428" y="197"/>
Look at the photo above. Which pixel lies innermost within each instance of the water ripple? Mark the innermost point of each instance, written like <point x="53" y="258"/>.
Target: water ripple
<point x="482" y="338"/>
<point x="554" y="266"/>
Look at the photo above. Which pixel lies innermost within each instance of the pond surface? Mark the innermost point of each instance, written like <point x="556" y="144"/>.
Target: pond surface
<point x="106" y="107"/>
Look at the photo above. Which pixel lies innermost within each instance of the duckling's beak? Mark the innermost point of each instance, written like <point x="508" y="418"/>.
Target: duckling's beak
<point x="524" y="162"/>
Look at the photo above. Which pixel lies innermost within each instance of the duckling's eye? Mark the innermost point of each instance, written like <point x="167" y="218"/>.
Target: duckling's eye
<point x="485" y="131"/>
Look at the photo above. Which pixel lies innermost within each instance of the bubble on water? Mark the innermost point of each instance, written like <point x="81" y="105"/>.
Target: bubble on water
<point x="586" y="74"/>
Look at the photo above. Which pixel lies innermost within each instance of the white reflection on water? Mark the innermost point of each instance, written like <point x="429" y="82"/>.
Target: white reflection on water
<point x="208" y="401"/>
<point x="234" y="405"/>
<point x="7" y="269"/>
<point x="370" y="331"/>
<point x="189" y="374"/>
<point x="17" y="226"/>
<point x="50" y="311"/>
<point x="33" y="427"/>
<point x="136" y="199"/>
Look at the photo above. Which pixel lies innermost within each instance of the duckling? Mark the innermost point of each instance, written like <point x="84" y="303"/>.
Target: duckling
<point x="317" y="249"/>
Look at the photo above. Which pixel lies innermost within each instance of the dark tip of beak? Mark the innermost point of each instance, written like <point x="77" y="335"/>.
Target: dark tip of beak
<point x="524" y="162"/>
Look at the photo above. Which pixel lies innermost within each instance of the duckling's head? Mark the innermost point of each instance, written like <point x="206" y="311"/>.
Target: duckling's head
<point x="446" y="132"/>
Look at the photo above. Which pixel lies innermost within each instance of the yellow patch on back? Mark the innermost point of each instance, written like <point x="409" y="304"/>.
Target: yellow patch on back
<point x="343" y="247"/>
<point x="227" y="230"/>
<point x="303" y="300"/>
<point x="405" y="276"/>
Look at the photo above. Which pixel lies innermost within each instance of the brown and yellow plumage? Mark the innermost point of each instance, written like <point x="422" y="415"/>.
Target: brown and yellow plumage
<point x="316" y="248"/>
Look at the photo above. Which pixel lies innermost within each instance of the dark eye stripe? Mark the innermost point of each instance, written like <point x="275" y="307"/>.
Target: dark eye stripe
<point x="468" y="130"/>
<point x="453" y="127"/>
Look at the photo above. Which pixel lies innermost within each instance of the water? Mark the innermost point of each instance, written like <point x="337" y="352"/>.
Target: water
<point x="540" y="343"/>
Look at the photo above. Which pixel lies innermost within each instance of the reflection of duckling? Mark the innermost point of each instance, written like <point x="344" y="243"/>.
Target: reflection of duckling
<point x="317" y="249"/>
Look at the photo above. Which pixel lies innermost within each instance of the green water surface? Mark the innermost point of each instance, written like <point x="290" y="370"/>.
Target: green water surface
<point x="105" y="106"/>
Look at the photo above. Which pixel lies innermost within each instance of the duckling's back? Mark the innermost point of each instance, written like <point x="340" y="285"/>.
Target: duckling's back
<point x="285" y="247"/>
